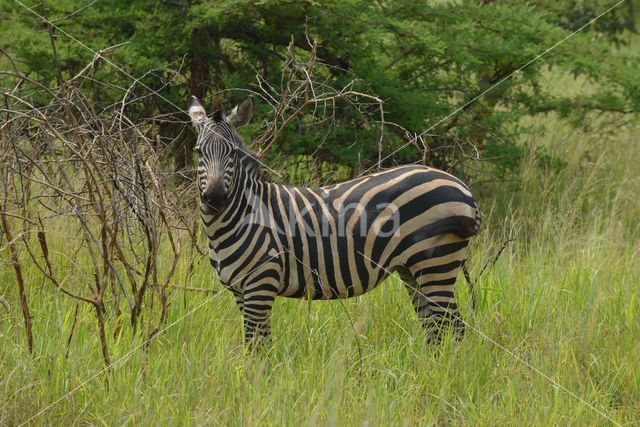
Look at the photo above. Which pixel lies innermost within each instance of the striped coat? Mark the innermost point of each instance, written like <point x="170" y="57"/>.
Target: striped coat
<point x="340" y="241"/>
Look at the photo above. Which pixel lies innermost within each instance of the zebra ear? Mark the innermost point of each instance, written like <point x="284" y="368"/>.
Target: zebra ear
<point x="197" y="113"/>
<point x="241" y="115"/>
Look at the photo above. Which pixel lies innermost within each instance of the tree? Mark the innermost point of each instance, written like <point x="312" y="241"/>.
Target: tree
<point x="430" y="63"/>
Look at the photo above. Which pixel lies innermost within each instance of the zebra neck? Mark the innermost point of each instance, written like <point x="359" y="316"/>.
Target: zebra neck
<point x="243" y="204"/>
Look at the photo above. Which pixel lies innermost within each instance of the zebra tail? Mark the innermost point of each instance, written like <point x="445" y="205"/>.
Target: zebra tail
<point x="467" y="226"/>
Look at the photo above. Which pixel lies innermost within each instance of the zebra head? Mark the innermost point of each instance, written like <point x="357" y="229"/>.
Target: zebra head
<point x="218" y="146"/>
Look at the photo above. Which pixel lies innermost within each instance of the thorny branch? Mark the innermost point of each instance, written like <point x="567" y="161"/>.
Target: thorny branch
<point x="97" y="209"/>
<point x="91" y="178"/>
<point x="305" y="97"/>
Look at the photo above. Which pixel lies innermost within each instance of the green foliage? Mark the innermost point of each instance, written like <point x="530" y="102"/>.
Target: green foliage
<point x="424" y="60"/>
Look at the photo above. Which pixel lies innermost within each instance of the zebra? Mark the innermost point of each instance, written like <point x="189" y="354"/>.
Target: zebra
<point x="268" y="240"/>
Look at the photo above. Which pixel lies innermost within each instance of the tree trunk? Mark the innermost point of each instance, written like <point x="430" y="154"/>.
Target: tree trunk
<point x="199" y="78"/>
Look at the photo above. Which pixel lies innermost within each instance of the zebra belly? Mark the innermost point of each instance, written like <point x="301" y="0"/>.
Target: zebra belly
<point x="359" y="264"/>
<point x="331" y="268"/>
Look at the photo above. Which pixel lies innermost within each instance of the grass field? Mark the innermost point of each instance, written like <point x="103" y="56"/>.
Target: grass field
<point x="554" y="340"/>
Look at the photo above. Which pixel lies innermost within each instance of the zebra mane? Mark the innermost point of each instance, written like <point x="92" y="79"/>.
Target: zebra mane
<point x="249" y="160"/>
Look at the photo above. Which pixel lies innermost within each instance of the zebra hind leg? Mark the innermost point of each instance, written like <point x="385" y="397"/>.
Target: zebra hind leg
<point x="432" y="290"/>
<point x="419" y="302"/>
<point x="239" y="297"/>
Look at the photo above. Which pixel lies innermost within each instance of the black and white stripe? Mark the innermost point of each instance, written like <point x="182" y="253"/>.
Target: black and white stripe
<point x="338" y="241"/>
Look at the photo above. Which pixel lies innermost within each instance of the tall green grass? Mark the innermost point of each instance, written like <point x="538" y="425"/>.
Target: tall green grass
<point x="555" y="338"/>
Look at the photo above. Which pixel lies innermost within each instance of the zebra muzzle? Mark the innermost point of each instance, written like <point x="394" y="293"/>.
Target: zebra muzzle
<point x="213" y="197"/>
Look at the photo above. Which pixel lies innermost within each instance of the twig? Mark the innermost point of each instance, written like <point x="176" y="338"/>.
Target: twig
<point x="467" y="276"/>
<point x="74" y="13"/>
<point x="472" y="290"/>
<point x="15" y="260"/>
<point x="73" y="328"/>
<point x="5" y="305"/>
<point x="495" y="258"/>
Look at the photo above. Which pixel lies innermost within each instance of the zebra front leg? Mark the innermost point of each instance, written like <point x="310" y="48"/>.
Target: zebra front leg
<point x="258" y="302"/>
